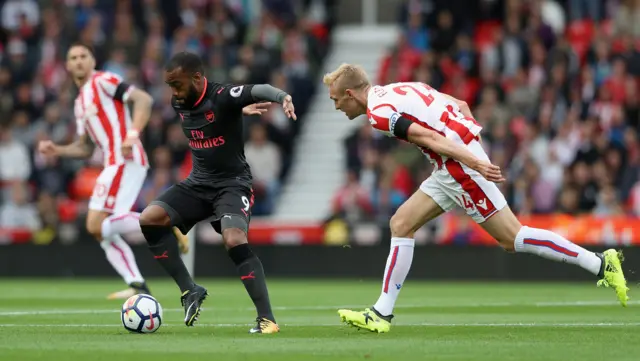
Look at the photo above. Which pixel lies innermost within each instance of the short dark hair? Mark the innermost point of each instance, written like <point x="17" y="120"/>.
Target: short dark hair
<point x="189" y="62"/>
<point x="83" y="45"/>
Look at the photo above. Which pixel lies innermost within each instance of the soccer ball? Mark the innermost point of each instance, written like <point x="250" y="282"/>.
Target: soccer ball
<point x="142" y="314"/>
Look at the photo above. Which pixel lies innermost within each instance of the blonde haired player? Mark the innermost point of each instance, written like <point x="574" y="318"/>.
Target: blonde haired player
<point x="103" y="119"/>
<point x="446" y="132"/>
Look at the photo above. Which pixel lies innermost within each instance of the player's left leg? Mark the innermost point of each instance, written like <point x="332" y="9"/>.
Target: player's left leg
<point x="109" y="218"/>
<point x="484" y="202"/>
<point x="487" y="206"/>
<point x="514" y="237"/>
<point x="424" y="205"/>
<point x="233" y="212"/>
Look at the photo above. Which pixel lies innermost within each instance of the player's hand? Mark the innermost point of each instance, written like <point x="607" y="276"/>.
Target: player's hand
<point x="490" y="171"/>
<point x="47" y="147"/>
<point x="256" y="109"/>
<point x="464" y="108"/>
<point x="289" y="109"/>
<point x="133" y="137"/>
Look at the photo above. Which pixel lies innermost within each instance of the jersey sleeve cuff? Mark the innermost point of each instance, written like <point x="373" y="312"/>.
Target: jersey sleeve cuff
<point x="127" y="93"/>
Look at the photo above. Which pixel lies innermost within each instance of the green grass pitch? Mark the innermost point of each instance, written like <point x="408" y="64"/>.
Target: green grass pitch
<point x="71" y="320"/>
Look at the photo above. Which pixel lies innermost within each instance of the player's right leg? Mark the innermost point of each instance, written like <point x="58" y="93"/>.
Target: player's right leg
<point x="177" y="206"/>
<point x="424" y="205"/>
<point x="232" y="207"/>
<point x="109" y="215"/>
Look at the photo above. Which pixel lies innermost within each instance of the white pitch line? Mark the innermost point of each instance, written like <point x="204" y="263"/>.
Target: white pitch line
<point x="322" y="308"/>
<point x="461" y="305"/>
<point x="69" y="312"/>
<point x="424" y="324"/>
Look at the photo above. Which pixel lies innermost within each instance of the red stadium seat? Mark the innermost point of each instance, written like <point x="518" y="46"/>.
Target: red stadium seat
<point x="484" y="33"/>
<point x="67" y="211"/>
<point x="580" y="34"/>
<point x="82" y="185"/>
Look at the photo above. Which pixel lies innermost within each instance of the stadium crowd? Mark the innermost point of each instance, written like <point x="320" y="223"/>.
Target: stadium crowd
<point x="553" y="83"/>
<point x="281" y="42"/>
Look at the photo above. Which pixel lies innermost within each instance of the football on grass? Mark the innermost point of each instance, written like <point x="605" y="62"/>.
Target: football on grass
<point x="141" y="314"/>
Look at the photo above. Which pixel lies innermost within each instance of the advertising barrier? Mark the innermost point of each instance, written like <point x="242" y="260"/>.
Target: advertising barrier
<point x="450" y="228"/>
<point x="451" y="247"/>
<point x="86" y="259"/>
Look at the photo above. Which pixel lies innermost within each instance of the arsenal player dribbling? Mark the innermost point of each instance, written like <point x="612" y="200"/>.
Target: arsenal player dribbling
<point x="219" y="186"/>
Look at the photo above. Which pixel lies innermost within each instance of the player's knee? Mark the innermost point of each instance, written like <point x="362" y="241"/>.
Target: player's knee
<point x="233" y="237"/>
<point x="508" y="246"/>
<point x="507" y="238"/>
<point x="94" y="227"/>
<point x="154" y="215"/>
<point x="400" y="226"/>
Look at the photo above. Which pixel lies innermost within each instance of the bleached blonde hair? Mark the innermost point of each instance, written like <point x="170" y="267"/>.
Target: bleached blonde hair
<point x="347" y="76"/>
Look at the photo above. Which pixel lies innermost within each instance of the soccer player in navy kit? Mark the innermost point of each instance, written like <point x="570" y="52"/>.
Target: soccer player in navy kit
<point x="219" y="185"/>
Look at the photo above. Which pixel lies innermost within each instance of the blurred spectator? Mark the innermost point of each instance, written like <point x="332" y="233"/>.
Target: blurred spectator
<point x="627" y="18"/>
<point x="264" y="158"/>
<point x="507" y="54"/>
<point x="17" y="13"/>
<point x="585" y="9"/>
<point x="18" y="212"/>
<point x="352" y="201"/>
<point x="417" y="33"/>
<point x="14" y="158"/>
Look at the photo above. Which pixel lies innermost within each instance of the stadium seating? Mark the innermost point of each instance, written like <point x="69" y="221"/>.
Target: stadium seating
<point x="535" y="87"/>
<point x="242" y="42"/>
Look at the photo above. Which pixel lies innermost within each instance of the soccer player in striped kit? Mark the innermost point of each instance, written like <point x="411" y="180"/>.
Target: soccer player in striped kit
<point x="103" y="119"/>
<point x="447" y="134"/>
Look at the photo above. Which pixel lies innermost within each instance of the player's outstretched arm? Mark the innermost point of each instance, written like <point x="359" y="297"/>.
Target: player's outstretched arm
<point x="262" y="92"/>
<point x="444" y="146"/>
<point x="242" y="96"/>
<point x="81" y="148"/>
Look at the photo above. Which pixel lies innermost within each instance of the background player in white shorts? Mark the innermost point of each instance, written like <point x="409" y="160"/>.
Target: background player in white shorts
<point x="103" y="119"/>
<point x="446" y="132"/>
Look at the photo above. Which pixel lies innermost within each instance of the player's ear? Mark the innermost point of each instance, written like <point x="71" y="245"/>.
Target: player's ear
<point x="196" y="77"/>
<point x="349" y="93"/>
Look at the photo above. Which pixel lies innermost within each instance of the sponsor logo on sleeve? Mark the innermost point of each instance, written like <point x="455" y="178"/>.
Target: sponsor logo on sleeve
<point x="236" y="91"/>
<point x="392" y="121"/>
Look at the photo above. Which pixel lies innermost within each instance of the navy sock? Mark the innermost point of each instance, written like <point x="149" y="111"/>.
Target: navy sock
<point x="164" y="246"/>
<point x="252" y="276"/>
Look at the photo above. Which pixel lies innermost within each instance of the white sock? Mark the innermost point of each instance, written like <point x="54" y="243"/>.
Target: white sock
<point x="121" y="224"/>
<point x="553" y="246"/>
<point x="121" y="257"/>
<point x="398" y="265"/>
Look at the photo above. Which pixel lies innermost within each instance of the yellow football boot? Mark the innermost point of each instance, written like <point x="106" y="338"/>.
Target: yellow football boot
<point x="368" y="319"/>
<point x="265" y="325"/>
<point x="612" y="275"/>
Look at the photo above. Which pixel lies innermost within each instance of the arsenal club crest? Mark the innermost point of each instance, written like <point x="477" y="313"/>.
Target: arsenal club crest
<point x="209" y="115"/>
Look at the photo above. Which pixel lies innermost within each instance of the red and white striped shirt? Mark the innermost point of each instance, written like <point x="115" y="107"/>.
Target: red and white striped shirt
<point x="424" y="106"/>
<point x="103" y="114"/>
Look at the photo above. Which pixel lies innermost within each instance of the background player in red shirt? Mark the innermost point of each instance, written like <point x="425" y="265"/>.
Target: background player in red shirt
<point x="103" y="119"/>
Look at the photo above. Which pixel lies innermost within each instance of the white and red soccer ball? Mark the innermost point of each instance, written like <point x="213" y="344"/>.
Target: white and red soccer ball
<point x="142" y="314"/>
